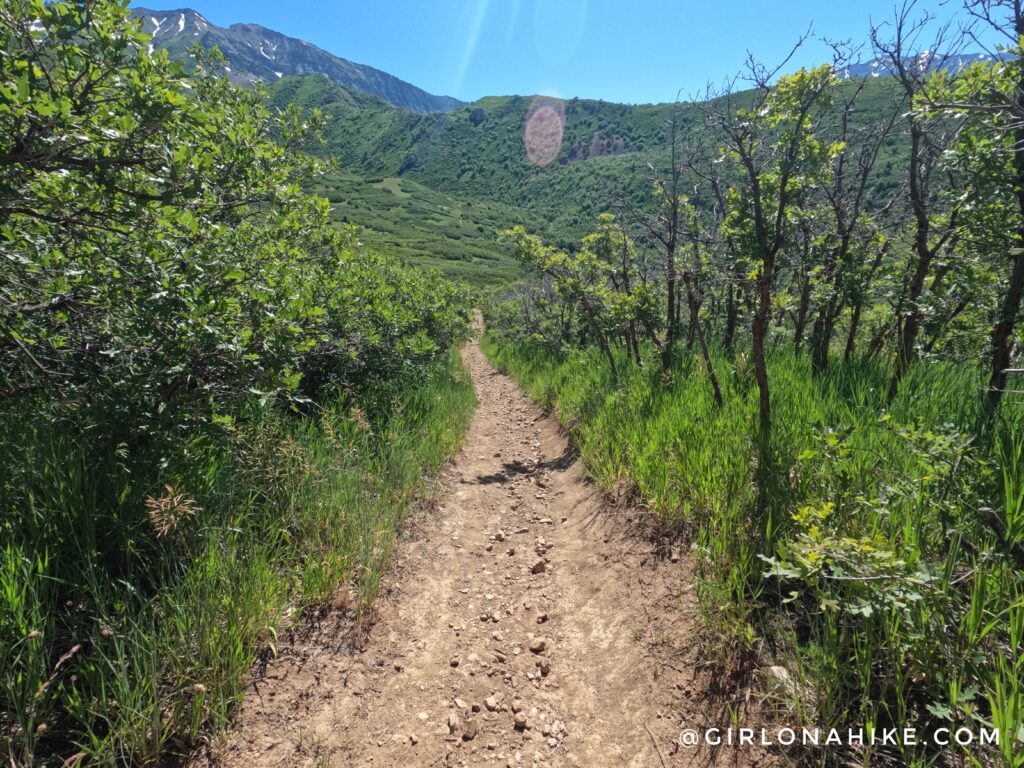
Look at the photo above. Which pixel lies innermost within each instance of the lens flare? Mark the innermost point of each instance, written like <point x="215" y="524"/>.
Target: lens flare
<point x="545" y="126"/>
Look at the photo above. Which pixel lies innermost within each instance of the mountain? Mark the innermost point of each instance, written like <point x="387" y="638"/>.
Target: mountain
<point x="258" y="53"/>
<point x="477" y="152"/>
<point x="924" y="61"/>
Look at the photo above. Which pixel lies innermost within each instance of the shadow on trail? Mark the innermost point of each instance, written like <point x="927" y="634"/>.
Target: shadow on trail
<point x="511" y="469"/>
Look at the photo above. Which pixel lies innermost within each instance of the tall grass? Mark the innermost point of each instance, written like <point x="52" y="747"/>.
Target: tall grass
<point x="139" y="585"/>
<point x="884" y="575"/>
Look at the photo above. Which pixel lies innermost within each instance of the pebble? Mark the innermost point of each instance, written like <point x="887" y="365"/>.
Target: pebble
<point x="455" y="661"/>
<point x="491" y="703"/>
<point x="469" y="732"/>
<point x="453" y="722"/>
<point x="538" y="645"/>
<point x="539" y="567"/>
<point x="519" y="721"/>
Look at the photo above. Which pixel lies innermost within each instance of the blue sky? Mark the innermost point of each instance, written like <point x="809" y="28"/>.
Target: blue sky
<point x="631" y="51"/>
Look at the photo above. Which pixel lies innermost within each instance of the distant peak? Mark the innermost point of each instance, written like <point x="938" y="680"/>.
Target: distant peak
<point x="256" y="53"/>
<point x="163" y="24"/>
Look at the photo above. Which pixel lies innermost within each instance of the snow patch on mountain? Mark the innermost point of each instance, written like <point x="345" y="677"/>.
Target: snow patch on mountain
<point x="258" y="53"/>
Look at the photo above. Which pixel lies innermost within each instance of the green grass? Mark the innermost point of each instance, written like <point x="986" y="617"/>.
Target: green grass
<point x="426" y="228"/>
<point x="137" y="589"/>
<point x="872" y="575"/>
<point x="477" y="152"/>
<point x="394" y="186"/>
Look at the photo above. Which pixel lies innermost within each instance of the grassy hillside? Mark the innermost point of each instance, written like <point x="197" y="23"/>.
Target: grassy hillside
<point x="477" y="151"/>
<point x="427" y="228"/>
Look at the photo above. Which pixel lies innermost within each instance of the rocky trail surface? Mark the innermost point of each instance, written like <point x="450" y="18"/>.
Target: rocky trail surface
<point x="524" y="624"/>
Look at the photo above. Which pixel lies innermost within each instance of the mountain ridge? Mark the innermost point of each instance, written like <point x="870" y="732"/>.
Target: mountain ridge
<point x="924" y="62"/>
<point x="255" y="52"/>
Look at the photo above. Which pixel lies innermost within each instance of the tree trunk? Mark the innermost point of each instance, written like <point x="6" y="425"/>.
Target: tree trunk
<point x="851" y="337"/>
<point x="697" y="330"/>
<point x="694" y="307"/>
<point x="803" y="306"/>
<point x="602" y="339"/>
<point x="759" y="333"/>
<point x="635" y="344"/>
<point x="1002" y="332"/>
<point x="858" y="302"/>
<point x="670" y="320"/>
<point x="912" y="322"/>
<point x="825" y="324"/>
<point x="730" y="319"/>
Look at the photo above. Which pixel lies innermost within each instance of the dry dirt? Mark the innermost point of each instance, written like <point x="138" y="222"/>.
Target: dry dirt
<point x="525" y="623"/>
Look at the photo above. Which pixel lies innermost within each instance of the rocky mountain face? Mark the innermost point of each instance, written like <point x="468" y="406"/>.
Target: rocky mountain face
<point x="257" y="53"/>
<point x="923" y="62"/>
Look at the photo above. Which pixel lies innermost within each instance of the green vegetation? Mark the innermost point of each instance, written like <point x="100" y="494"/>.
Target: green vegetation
<point x="887" y="595"/>
<point x="476" y="152"/>
<point x="226" y="376"/>
<point x="425" y="228"/>
<point x="139" y="587"/>
<point x="781" y="376"/>
<point x="217" y="406"/>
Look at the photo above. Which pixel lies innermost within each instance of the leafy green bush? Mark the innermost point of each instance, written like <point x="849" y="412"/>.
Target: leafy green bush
<point x="216" y="407"/>
<point x="138" y="589"/>
<point x="886" y="575"/>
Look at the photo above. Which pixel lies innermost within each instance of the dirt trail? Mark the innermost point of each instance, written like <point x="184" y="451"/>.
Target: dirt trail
<point x="523" y="625"/>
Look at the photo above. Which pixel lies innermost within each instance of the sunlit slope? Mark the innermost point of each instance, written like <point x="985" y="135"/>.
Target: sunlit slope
<point x="477" y="151"/>
<point x="427" y="228"/>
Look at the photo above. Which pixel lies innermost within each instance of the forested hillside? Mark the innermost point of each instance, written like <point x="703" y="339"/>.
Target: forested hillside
<point x="476" y="151"/>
